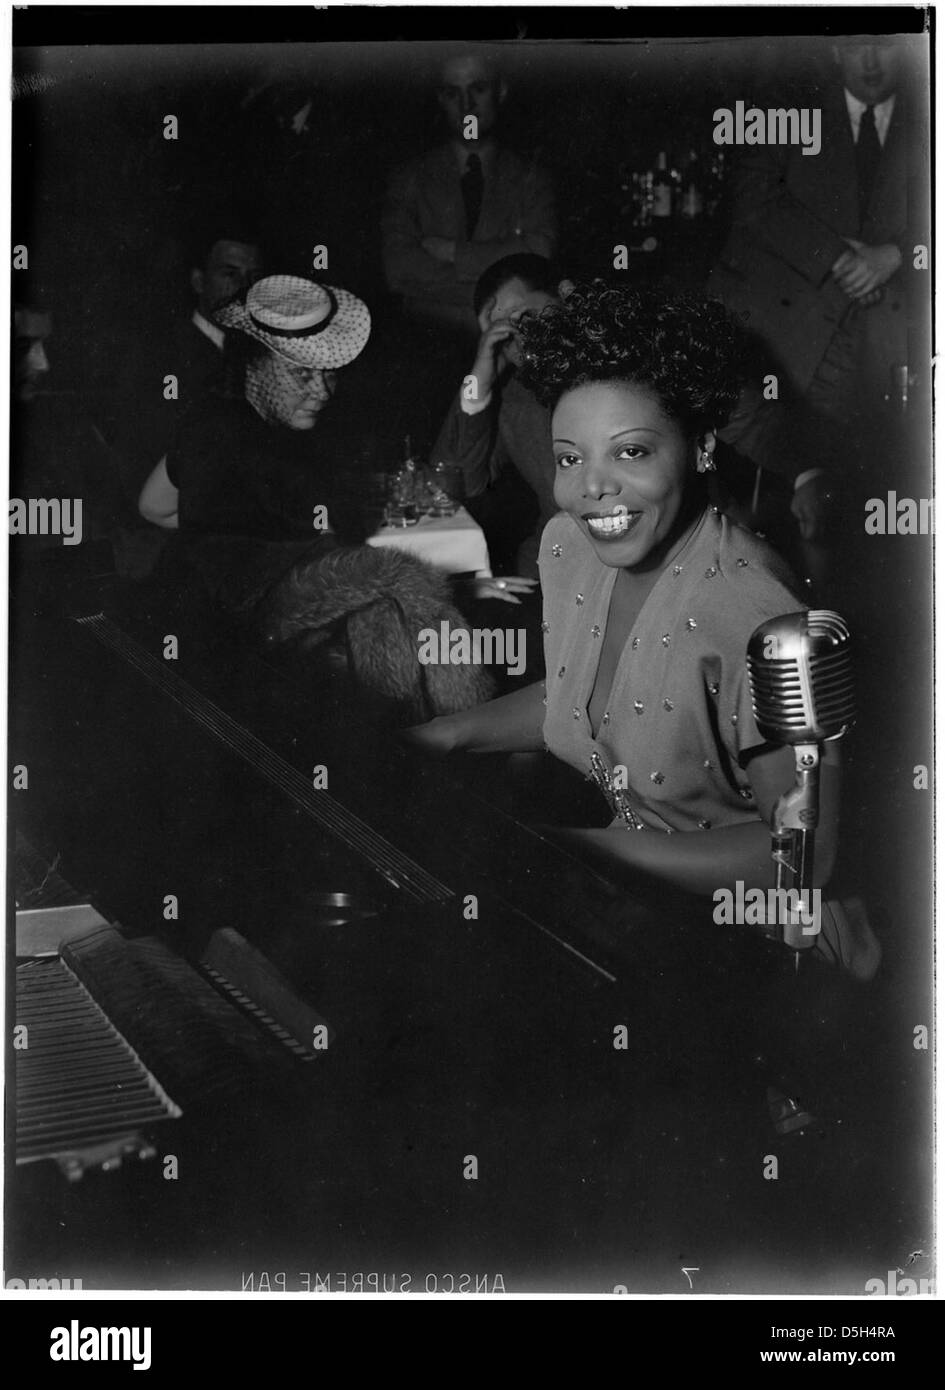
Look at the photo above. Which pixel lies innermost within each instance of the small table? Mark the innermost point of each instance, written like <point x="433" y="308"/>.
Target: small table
<point x="452" y="543"/>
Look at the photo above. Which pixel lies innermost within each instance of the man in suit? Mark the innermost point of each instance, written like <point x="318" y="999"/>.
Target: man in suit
<point x="224" y="264"/>
<point x="813" y="263"/>
<point x="465" y="204"/>
<point x="225" y="257"/>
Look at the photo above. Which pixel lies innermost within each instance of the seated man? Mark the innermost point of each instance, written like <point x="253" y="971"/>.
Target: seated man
<point x="35" y="466"/>
<point x="54" y="444"/>
<point x="494" y="422"/>
<point x="225" y="258"/>
<point x="31" y="328"/>
<point x="224" y="264"/>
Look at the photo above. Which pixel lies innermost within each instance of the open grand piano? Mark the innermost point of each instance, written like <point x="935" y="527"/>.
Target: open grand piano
<point x="380" y="1023"/>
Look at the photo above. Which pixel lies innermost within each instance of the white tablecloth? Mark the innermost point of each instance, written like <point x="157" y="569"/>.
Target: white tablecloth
<point x="452" y="543"/>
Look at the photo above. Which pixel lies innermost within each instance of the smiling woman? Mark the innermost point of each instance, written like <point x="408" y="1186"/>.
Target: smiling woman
<point x="650" y="599"/>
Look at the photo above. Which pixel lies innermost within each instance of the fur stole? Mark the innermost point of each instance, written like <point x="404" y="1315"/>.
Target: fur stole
<point x="385" y="597"/>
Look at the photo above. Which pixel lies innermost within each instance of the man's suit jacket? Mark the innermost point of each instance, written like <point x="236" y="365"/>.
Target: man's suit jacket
<point x="791" y="214"/>
<point x="148" y="421"/>
<point x="513" y="430"/>
<point x="425" y="199"/>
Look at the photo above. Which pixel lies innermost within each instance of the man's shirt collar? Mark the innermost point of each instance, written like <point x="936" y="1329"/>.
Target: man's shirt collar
<point x="882" y="114"/>
<point x="208" y="329"/>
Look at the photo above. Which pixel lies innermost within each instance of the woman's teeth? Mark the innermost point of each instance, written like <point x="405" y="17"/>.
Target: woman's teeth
<point x="615" y="523"/>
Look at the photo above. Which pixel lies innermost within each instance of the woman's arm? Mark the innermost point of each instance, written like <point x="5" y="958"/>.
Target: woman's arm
<point x="512" y="724"/>
<point x="159" y="497"/>
<point x="704" y="861"/>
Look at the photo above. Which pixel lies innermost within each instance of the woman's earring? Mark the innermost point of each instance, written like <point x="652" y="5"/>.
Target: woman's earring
<point x="706" y="463"/>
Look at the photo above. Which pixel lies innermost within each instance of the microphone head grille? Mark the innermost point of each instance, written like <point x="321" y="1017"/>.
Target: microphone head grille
<point x="801" y="678"/>
<point x="827" y="628"/>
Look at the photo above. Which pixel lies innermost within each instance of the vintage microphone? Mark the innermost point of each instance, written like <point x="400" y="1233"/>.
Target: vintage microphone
<point x="801" y="680"/>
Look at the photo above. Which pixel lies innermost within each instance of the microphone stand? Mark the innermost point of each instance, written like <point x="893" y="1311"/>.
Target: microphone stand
<point x="793" y="823"/>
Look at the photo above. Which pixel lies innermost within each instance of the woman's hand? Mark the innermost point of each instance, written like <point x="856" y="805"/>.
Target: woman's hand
<point x="437" y="738"/>
<point x="159" y="498"/>
<point x="596" y="848"/>
<point x="581" y="843"/>
<point x="504" y="589"/>
<point x="811" y="507"/>
<point x="511" y="724"/>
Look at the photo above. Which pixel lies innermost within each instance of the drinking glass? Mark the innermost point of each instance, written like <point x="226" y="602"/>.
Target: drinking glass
<point x="402" y="499"/>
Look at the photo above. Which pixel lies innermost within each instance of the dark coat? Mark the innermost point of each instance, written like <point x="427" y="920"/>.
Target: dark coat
<point x="247" y="493"/>
<point x="791" y="214"/>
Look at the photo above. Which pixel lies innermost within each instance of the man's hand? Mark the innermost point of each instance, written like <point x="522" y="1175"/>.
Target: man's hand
<point x="441" y="248"/>
<point x="863" y="270"/>
<point x="486" y="367"/>
<point x="811" y="505"/>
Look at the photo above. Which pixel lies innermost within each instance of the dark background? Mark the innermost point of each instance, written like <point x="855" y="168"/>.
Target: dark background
<point x="107" y="206"/>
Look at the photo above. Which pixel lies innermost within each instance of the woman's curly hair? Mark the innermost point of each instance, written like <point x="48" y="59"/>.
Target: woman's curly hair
<point x="686" y="350"/>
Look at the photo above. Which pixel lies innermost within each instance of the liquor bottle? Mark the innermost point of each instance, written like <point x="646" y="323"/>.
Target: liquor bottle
<point x="646" y="198"/>
<point x="403" y="509"/>
<point x="662" y="189"/>
<point x="715" y="182"/>
<point x="638" y="200"/>
<point x="692" y="198"/>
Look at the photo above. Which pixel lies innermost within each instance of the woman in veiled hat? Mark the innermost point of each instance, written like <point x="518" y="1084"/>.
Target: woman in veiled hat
<point x="254" y="498"/>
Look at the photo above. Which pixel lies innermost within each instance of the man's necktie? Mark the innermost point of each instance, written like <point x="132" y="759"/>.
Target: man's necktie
<point x="471" y="183"/>
<point x="868" y="154"/>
